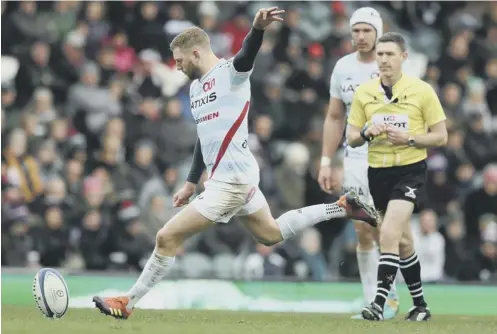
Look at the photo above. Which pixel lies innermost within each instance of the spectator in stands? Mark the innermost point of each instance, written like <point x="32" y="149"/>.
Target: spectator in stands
<point x="16" y="240"/>
<point x="488" y="225"/>
<point x="177" y="135"/>
<point x="98" y="27"/>
<point x="94" y="241"/>
<point x="477" y="143"/>
<point x="37" y="71"/>
<point x="52" y="238"/>
<point x="9" y="107"/>
<point x="312" y="254"/>
<point x="73" y="178"/>
<point x="69" y="58"/>
<point x="479" y="202"/>
<point x="458" y="258"/>
<point x="430" y="246"/>
<point x="42" y="106"/>
<point x="294" y="166"/>
<point x="23" y="165"/>
<point x="96" y="105"/>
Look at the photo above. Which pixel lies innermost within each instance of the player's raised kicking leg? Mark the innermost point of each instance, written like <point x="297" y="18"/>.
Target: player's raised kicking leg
<point x="220" y="202"/>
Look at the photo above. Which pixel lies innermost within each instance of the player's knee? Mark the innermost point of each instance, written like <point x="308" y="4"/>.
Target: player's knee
<point x="165" y="239"/>
<point x="268" y="241"/>
<point x="389" y="238"/>
<point x="364" y="234"/>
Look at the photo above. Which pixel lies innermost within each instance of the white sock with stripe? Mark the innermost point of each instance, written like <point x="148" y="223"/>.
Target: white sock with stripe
<point x="368" y="270"/>
<point x="293" y="222"/>
<point x="155" y="270"/>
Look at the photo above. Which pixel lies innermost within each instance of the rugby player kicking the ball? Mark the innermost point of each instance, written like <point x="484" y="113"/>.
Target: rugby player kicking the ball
<point x="220" y="95"/>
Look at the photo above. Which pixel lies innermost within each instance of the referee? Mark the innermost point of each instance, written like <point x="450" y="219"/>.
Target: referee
<point x="393" y="114"/>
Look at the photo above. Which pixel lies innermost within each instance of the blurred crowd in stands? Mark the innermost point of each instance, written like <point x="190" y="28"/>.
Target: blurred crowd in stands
<point x="97" y="134"/>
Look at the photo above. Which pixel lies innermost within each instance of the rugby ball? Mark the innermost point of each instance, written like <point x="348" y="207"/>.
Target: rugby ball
<point x="50" y="293"/>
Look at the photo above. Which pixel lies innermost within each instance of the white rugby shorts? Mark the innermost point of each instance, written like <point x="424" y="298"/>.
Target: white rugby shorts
<point x="355" y="176"/>
<point x="221" y="201"/>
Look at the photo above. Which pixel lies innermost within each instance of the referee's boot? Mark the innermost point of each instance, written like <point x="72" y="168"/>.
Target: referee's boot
<point x="359" y="210"/>
<point x="418" y="313"/>
<point x="372" y="312"/>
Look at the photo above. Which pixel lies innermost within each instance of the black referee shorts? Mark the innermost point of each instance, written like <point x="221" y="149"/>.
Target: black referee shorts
<point x="400" y="182"/>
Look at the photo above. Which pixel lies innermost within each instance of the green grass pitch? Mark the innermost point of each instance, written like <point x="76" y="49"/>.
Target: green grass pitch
<point x="27" y="320"/>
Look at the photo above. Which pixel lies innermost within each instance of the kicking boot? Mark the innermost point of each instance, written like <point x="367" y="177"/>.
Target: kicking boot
<point x="418" y="313"/>
<point x="358" y="210"/>
<point x="392" y="306"/>
<point x="116" y="307"/>
<point x="372" y="312"/>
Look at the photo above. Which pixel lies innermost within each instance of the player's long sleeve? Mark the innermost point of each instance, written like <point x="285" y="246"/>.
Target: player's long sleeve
<point x="245" y="58"/>
<point x="198" y="165"/>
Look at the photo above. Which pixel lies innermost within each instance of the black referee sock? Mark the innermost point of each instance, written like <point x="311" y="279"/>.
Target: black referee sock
<point x="387" y="270"/>
<point x="411" y="270"/>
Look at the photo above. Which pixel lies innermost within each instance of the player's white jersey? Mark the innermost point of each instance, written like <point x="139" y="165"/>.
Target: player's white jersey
<point x="348" y="74"/>
<point x="219" y="104"/>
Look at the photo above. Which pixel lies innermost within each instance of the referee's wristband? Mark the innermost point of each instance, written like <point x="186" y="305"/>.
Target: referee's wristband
<point x="363" y="135"/>
<point x="325" y="161"/>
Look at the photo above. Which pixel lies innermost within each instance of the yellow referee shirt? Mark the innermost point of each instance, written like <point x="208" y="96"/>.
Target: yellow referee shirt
<point x="413" y="108"/>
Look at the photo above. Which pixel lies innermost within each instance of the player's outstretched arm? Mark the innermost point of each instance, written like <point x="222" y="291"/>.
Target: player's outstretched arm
<point x="245" y="58"/>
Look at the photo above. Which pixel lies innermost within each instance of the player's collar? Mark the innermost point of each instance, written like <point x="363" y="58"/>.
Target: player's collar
<point x="212" y="69"/>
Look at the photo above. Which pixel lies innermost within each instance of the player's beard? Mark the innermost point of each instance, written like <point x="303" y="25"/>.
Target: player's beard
<point x="194" y="73"/>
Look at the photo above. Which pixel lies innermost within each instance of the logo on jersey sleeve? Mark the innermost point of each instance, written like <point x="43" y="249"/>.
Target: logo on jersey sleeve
<point x="400" y="121"/>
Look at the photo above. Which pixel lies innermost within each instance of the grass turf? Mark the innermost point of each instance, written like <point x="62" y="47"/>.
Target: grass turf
<point x="24" y="320"/>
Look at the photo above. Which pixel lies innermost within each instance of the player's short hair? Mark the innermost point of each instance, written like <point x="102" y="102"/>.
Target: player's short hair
<point x="190" y="37"/>
<point x="394" y="37"/>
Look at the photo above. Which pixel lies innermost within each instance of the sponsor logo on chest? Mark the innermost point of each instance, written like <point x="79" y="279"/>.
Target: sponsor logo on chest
<point x="400" y="121"/>
<point x="203" y="100"/>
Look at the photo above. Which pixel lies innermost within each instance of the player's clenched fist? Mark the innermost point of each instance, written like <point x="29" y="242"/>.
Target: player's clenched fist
<point x="267" y="15"/>
<point x="375" y="130"/>
<point x="182" y="197"/>
<point x="325" y="179"/>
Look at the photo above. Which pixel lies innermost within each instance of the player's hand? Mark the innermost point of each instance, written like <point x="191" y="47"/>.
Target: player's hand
<point x="182" y="197"/>
<point x="265" y="16"/>
<point x="325" y="179"/>
<point x="396" y="136"/>
<point x="375" y="130"/>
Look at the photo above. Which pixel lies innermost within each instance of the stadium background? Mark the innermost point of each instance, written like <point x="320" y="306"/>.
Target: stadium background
<point x="97" y="136"/>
